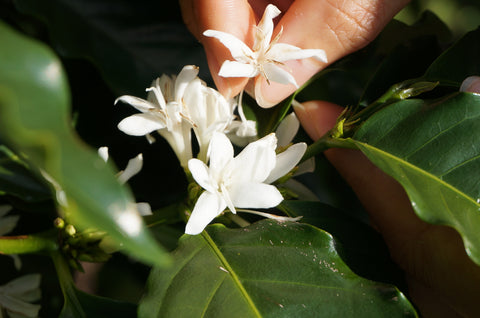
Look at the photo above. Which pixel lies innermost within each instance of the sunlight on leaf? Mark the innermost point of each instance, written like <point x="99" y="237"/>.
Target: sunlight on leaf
<point x="268" y="269"/>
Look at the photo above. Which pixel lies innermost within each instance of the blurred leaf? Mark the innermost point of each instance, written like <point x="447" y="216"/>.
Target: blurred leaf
<point x="131" y="42"/>
<point x="268" y="269"/>
<point x="34" y="105"/>
<point x="91" y="306"/>
<point x="400" y="52"/>
<point x="16" y="179"/>
<point x="362" y="248"/>
<point x="78" y="304"/>
<point x="438" y="165"/>
<point x="458" y="62"/>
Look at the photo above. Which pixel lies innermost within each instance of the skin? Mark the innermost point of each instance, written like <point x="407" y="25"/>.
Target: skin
<point x="442" y="280"/>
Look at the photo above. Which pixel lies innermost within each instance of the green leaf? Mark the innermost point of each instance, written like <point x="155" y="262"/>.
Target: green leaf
<point x="34" y="120"/>
<point x="130" y="42"/>
<point x="361" y="247"/>
<point x="458" y="62"/>
<point x="77" y="304"/>
<point x="16" y="179"/>
<point x="432" y="148"/>
<point x="268" y="269"/>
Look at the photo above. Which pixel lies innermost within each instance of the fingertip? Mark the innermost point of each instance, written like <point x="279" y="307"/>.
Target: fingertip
<point x="317" y="117"/>
<point x="471" y="84"/>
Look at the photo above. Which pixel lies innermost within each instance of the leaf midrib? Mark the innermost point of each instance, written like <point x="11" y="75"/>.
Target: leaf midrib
<point x="232" y="273"/>
<point x="416" y="168"/>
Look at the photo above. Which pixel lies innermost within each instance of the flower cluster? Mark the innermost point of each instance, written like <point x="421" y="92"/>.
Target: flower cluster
<point x="266" y="58"/>
<point x="177" y="105"/>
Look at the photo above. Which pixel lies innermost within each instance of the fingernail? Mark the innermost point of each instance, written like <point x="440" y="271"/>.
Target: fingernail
<point x="471" y="84"/>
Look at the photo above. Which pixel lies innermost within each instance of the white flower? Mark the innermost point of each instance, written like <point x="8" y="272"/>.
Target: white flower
<point x="266" y="57"/>
<point x="7" y="224"/>
<point x="16" y="296"/>
<point x="208" y="111"/>
<point x="133" y="167"/>
<point x="163" y="111"/>
<point x="241" y="181"/>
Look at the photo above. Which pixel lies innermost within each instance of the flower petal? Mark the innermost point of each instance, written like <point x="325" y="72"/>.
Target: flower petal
<point x="208" y="207"/>
<point x="287" y="130"/>
<point x="255" y="195"/>
<point x="220" y="152"/>
<point x="139" y="104"/>
<point x="144" y="208"/>
<point x="237" y="69"/>
<point x="199" y="172"/>
<point x="286" y="161"/>
<point x="277" y="74"/>
<point x="186" y="75"/>
<point x="265" y="28"/>
<point x="8" y="223"/>
<point x="282" y="52"/>
<point x="239" y="50"/>
<point x="140" y="124"/>
<point x="133" y="167"/>
<point x="103" y="153"/>
<point x="255" y="161"/>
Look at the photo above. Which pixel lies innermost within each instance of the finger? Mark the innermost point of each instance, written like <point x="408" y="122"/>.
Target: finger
<point x="427" y="253"/>
<point x="231" y="16"/>
<point x="391" y="212"/>
<point x="338" y="27"/>
<point x="471" y="84"/>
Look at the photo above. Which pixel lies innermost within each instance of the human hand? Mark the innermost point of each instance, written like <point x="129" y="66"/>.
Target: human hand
<point x="442" y="280"/>
<point x="337" y="27"/>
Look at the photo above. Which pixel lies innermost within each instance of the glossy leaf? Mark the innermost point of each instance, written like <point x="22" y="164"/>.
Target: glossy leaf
<point x="458" y="62"/>
<point x="130" y="43"/>
<point x="16" y="179"/>
<point x="34" y="120"/>
<point x="268" y="269"/>
<point x="357" y="243"/>
<point x="432" y="148"/>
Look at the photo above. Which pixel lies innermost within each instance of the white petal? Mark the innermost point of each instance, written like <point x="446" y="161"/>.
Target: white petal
<point x="140" y="104"/>
<point x="305" y="167"/>
<point x="256" y="160"/>
<point x="4" y="209"/>
<point x="18" y="308"/>
<point x="286" y="161"/>
<point x="133" y="167"/>
<point x="265" y="28"/>
<point x="186" y="75"/>
<point x="208" y="207"/>
<point x="282" y="52"/>
<point x="144" y="208"/>
<point x="103" y="153"/>
<point x="140" y="124"/>
<point x="8" y="223"/>
<point x="220" y="152"/>
<point x="199" y="172"/>
<point x="237" y="69"/>
<point x="277" y="74"/>
<point x="155" y="94"/>
<point x="22" y="284"/>
<point x="287" y="130"/>
<point x="303" y="192"/>
<point x="255" y="195"/>
<point x="239" y="50"/>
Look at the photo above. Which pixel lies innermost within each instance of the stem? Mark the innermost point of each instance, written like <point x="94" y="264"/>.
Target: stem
<point x="71" y="303"/>
<point x="23" y="244"/>
<point x="239" y="220"/>
<point x="327" y="142"/>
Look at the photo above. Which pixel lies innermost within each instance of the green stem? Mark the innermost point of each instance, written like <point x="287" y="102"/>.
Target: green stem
<point x="71" y="303"/>
<point x="327" y="142"/>
<point x="23" y="244"/>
